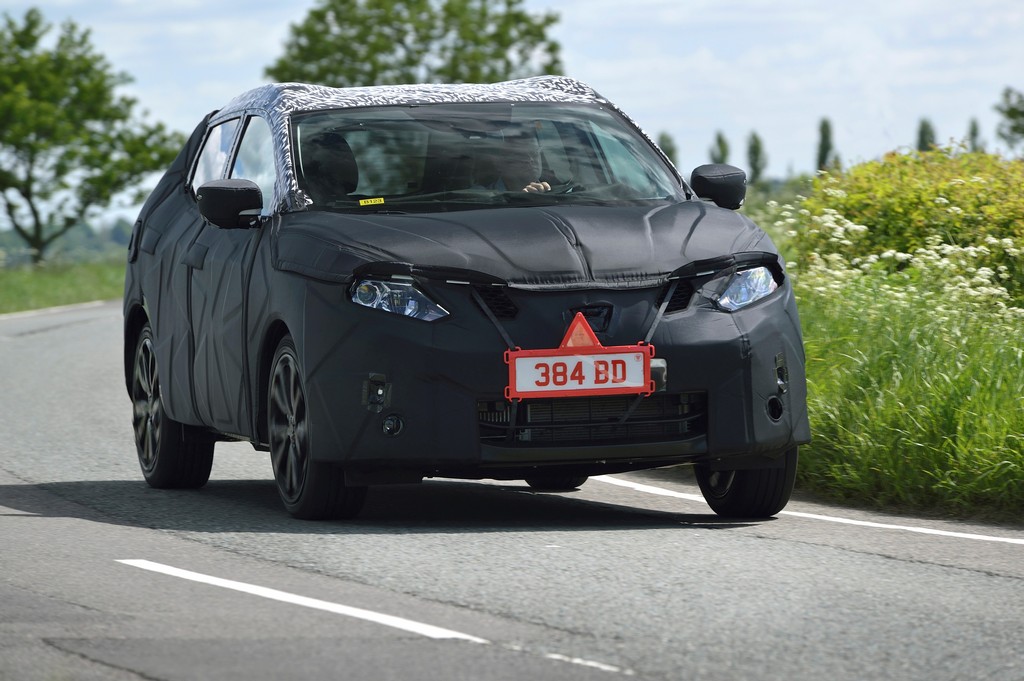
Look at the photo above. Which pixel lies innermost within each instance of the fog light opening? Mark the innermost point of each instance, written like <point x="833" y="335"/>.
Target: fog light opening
<point x="775" y="408"/>
<point x="392" y="425"/>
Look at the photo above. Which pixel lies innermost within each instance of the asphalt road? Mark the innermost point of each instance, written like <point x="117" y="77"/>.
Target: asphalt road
<point x="632" y="576"/>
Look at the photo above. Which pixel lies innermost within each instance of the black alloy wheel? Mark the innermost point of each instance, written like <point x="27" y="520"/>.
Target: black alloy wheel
<point x="171" y="455"/>
<point x="309" y="490"/>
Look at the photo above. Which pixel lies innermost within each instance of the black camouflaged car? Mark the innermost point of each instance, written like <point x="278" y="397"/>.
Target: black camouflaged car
<point x="505" y="281"/>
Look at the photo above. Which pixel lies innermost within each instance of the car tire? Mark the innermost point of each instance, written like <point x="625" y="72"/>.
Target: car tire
<point x="309" y="490"/>
<point x="753" y="493"/>
<point x="171" y="454"/>
<point x="555" y="483"/>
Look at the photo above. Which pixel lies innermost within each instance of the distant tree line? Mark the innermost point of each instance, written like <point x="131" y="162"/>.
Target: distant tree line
<point x="86" y="241"/>
<point x="1010" y="130"/>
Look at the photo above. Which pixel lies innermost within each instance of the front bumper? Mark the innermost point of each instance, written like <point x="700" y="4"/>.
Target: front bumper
<point x="735" y="392"/>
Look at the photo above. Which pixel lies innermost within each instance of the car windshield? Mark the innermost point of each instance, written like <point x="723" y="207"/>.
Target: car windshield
<point x="441" y="157"/>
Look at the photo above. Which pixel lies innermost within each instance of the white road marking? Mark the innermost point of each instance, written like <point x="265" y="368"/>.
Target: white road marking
<point x="412" y="626"/>
<point x="905" y="528"/>
<point x="402" y="623"/>
<point x="649" y="489"/>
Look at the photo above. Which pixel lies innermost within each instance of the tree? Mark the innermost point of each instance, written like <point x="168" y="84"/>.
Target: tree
<point x="756" y="158"/>
<point x="346" y="43"/>
<point x="826" y="154"/>
<point x="1011" y="128"/>
<point x="974" y="141"/>
<point x="668" y="145"/>
<point x="925" y="135"/>
<point x="720" y="152"/>
<point x="68" y="143"/>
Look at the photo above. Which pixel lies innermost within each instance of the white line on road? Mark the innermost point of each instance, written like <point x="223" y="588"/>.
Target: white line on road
<point x="285" y="597"/>
<point x="349" y="611"/>
<point x="649" y="489"/>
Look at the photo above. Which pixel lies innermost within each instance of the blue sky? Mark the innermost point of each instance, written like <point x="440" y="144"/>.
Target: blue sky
<point x="690" y="68"/>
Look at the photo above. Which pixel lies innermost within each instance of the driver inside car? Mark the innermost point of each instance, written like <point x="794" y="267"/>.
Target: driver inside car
<point x="512" y="163"/>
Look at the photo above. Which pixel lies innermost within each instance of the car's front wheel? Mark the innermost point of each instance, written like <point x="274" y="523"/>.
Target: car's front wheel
<point x="754" y="493"/>
<point x="309" y="489"/>
<point x="171" y="454"/>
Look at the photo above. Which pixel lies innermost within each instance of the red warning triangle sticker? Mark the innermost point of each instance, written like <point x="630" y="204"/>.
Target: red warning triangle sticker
<point x="580" y="335"/>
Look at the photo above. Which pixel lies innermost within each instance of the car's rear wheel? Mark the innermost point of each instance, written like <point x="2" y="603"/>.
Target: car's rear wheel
<point x="171" y="454"/>
<point x="754" y="493"/>
<point x="309" y="489"/>
<point x="555" y="483"/>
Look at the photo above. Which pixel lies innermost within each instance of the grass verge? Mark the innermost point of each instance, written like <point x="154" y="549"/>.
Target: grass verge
<point x="47" y="285"/>
<point x="912" y="408"/>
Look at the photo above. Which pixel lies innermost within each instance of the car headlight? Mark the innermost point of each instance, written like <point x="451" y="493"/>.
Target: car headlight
<point x="398" y="297"/>
<point x="746" y="287"/>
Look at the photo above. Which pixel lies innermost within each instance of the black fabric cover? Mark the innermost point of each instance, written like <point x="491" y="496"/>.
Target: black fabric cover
<point x="723" y="182"/>
<point x="220" y="300"/>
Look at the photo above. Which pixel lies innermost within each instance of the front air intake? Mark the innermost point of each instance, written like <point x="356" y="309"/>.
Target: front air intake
<point x="574" y="421"/>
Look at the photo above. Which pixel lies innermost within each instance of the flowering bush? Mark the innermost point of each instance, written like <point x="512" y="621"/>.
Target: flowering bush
<point x="913" y="319"/>
<point x="904" y="198"/>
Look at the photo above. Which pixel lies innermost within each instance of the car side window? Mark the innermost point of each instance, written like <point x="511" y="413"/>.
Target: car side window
<point x="255" y="160"/>
<point x="213" y="158"/>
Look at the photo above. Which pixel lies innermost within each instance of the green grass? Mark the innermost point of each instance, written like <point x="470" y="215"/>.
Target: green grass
<point x="28" y="288"/>
<point x="914" y="409"/>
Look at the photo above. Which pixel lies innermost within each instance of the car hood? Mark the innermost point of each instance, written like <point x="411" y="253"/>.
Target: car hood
<point x="559" y="247"/>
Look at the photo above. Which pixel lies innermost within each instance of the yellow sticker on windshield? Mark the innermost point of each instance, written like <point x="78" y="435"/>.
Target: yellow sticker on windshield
<point x="371" y="202"/>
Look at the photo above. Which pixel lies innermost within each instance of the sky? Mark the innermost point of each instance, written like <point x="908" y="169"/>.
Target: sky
<point x="689" y="68"/>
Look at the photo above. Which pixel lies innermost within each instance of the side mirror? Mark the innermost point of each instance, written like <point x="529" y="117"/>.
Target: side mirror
<point x="725" y="185"/>
<point x="230" y="203"/>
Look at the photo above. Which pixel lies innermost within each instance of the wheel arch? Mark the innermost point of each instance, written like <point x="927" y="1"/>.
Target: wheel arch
<point x="135" y="318"/>
<point x="271" y="339"/>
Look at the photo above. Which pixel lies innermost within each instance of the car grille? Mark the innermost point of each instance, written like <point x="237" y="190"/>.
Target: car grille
<point x="680" y="297"/>
<point x="569" y="421"/>
<point x="497" y="300"/>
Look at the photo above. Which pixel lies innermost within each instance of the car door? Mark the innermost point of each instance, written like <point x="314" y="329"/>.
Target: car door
<point x="221" y="262"/>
